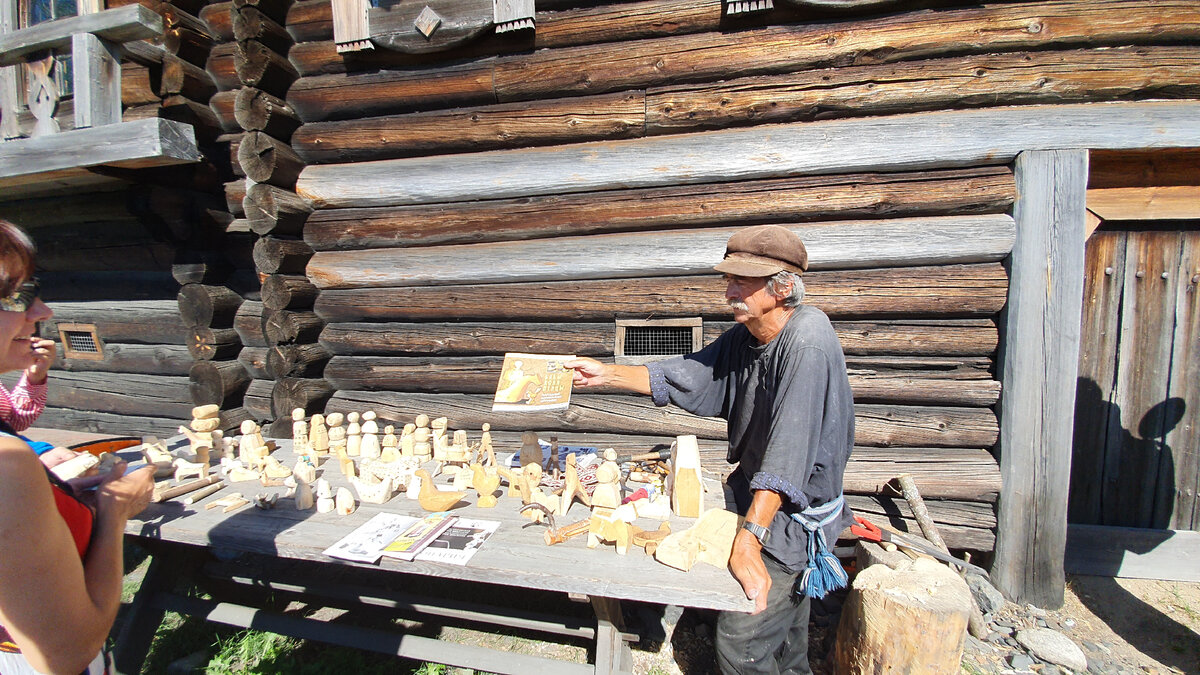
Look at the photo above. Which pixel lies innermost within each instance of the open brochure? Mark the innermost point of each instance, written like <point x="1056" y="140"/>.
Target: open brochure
<point x="459" y="542"/>
<point x="417" y="536"/>
<point x="533" y="382"/>
<point x="367" y="541"/>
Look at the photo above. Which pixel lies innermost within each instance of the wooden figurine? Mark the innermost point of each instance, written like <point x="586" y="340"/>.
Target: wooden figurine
<point x="422" y="447"/>
<point x="318" y="435"/>
<point x="79" y="465"/>
<point x="531" y="450"/>
<point x="406" y="440"/>
<point x="353" y="435"/>
<point x="459" y="451"/>
<point x="486" y="455"/>
<point x="303" y="495"/>
<point x="369" y="443"/>
<point x="655" y="507"/>
<point x="230" y="502"/>
<point x="464" y="478"/>
<point x="300" y="444"/>
<point x="685" y="486"/>
<point x="337" y="434"/>
<point x="273" y="468"/>
<point x="485" y="484"/>
<point x="607" y="492"/>
<point x="604" y="526"/>
<point x="155" y="452"/>
<point x="252" y="450"/>
<point x="389" y="445"/>
<point x="439" y="439"/>
<point x="343" y="502"/>
<point x="371" y="489"/>
<point x="346" y="464"/>
<point x="710" y="540"/>
<point x="205" y="420"/>
<point x="183" y="469"/>
<point x="650" y="539"/>
<point x="514" y="481"/>
<point x="531" y="493"/>
<point x="413" y="489"/>
<point x="324" y="496"/>
<point x="304" y="470"/>
<point x="572" y="488"/>
<point x="432" y="499"/>
<point x="239" y="473"/>
<point x="552" y="466"/>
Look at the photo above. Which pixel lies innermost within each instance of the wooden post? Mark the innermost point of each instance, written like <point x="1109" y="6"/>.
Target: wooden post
<point x="1038" y="363"/>
<point x="97" y="70"/>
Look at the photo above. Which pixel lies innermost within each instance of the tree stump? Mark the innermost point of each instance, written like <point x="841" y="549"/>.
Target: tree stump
<point x="908" y="620"/>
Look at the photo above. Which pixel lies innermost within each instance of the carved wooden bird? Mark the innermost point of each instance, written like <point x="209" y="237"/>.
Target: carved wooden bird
<point x="486" y="484"/>
<point x="432" y="499"/>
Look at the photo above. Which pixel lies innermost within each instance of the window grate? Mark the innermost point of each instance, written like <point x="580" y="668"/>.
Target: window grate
<point x="658" y="340"/>
<point x="80" y="341"/>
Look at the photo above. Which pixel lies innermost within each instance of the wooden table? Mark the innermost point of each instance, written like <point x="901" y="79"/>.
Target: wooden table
<point x="289" y="543"/>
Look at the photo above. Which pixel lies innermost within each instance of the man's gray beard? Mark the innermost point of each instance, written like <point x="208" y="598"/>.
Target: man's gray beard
<point x="738" y="304"/>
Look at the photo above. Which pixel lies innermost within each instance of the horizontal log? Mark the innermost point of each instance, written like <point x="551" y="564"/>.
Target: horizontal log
<point x="202" y="305"/>
<point x="187" y="44"/>
<point x="249" y="324"/>
<point x="183" y="78"/>
<point x="343" y="96"/>
<point x="947" y="192"/>
<point x="258" y="66"/>
<point x="235" y="192"/>
<point x="218" y="382"/>
<point x="256" y="110"/>
<point x="222" y="104"/>
<point x="202" y="267"/>
<point x="277" y="255"/>
<point x="273" y="210"/>
<point x="121" y="393"/>
<point x="219" y="21"/>
<point x="71" y="254"/>
<point x="944" y="291"/>
<point x="597" y="339"/>
<point x="296" y="360"/>
<point x="290" y="393"/>
<point x="222" y="66"/>
<point x="129" y="358"/>
<point x="283" y="291"/>
<point x="963" y="525"/>
<point x="888" y="143"/>
<point x="257" y="400"/>
<point x="136" y="86"/>
<point x="254" y="360"/>
<point x="293" y="327"/>
<point x="267" y="160"/>
<point x="310" y="20"/>
<point x="213" y="344"/>
<point x="225" y="155"/>
<point x="479" y="374"/>
<point x="875" y="425"/>
<point x="133" y="321"/>
<point x="1142" y="168"/>
<point x="276" y="9"/>
<point x="135" y="286"/>
<point x="251" y="24"/>
<point x="837" y="245"/>
<point x="95" y="422"/>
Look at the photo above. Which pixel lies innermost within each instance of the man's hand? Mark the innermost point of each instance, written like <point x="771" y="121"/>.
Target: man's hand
<point x="745" y="561"/>
<point x="43" y="356"/>
<point x="588" y="372"/>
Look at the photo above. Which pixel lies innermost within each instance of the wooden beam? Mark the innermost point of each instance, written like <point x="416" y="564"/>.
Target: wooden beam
<point x="1038" y="364"/>
<point x="124" y="24"/>
<point x="1176" y="202"/>
<point x="1133" y="553"/>
<point x="137" y="144"/>
<point x="96" y="66"/>
<point x="833" y="245"/>
<point x="892" y="143"/>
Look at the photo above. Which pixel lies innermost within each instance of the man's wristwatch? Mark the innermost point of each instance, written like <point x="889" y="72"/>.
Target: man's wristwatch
<point x="762" y="534"/>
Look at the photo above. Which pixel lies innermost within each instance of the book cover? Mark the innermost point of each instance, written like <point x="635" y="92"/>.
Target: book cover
<point x="417" y="536"/>
<point x="367" y="541"/>
<point x="533" y="382"/>
<point x="459" y="542"/>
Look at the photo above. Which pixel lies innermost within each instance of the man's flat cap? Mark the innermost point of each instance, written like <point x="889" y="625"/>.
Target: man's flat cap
<point x="763" y="250"/>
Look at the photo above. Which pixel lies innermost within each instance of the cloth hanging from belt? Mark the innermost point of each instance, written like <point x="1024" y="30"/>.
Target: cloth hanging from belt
<point x="823" y="572"/>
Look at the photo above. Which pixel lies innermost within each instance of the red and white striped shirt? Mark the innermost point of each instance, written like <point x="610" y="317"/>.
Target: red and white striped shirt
<point x="23" y="406"/>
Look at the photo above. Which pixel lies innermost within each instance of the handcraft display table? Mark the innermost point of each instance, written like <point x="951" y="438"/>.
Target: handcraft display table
<point x="183" y="540"/>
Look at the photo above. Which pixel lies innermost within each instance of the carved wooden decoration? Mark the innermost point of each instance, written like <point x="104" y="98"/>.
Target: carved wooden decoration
<point x="350" y="25"/>
<point x="42" y="96"/>
<point x="422" y="26"/>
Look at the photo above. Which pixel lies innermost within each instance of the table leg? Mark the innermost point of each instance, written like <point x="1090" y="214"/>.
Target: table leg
<point x="613" y="654"/>
<point x="144" y="616"/>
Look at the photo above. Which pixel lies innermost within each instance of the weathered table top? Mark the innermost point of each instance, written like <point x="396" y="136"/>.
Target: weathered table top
<point x="514" y="555"/>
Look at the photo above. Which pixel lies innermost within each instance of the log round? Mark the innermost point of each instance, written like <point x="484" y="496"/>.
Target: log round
<point x="254" y="360"/>
<point x="277" y="255"/>
<point x="266" y="160"/>
<point x="911" y="620"/>
<point x="293" y="327"/>
<point x="222" y="66"/>
<point x="259" y="66"/>
<point x="222" y="104"/>
<point x="218" y="382"/>
<point x="290" y="393"/>
<point x="284" y="291"/>
<point x="256" y="110"/>
<point x="272" y="210"/>
<point x="257" y="400"/>
<point x="204" y="305"/>
<point x="307" y="360"/>
<point x="249" y="324"/>
<point x="213" y="344"/>
<point x="251" y="24"/>
<point x="218" y="19"/>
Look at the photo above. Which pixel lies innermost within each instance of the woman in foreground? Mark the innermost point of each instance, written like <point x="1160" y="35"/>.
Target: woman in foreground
<point x="60" y="555"/>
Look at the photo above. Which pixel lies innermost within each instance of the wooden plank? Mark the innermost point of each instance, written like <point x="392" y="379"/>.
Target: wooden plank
<point x="1133" y="553"/>
<point x="122" y="394"/>
<point x="914" y="292"/>
<point x="987" y="189"/>
<point x="1176" y="202"/>
<point x="137" y="144"/>
<point x="1039" y="360"/>
<point x="1183" y="439"/>
<point x="1144" y="475"/>
<point x="124" y="24"/>
<point x="896" y="142"/>
<point x="1104" y="278"/>
<point x="108" y="423"/>
<point x="964" y="525"/>
<point x="96" y="66"/>
<point x="843" y="244"/>
<point x="1142" y="168"/>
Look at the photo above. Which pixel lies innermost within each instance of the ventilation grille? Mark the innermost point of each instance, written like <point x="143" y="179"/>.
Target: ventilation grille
<point x="640" y="341"/>
<point x="80" y="341"/>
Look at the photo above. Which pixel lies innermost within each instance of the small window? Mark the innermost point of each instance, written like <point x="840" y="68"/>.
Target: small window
<point x="644" y="340"/>
<point x="80" y="341"/>
<point x="33" y="12"/>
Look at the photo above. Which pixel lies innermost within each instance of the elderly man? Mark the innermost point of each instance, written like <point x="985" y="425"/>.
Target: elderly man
<point x="779" y="379"/>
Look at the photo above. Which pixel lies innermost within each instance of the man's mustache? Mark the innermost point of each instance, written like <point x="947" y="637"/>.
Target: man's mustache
<point x="738" y="304"/>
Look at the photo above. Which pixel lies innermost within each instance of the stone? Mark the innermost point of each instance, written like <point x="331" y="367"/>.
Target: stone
<point x="987" y="597"/>
<point x="1020" y="661"/>
<point x="1052" y="647"/>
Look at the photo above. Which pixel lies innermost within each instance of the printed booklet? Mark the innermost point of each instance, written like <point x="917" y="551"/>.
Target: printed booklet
<point x="417" y="536"/>
<point x="366" y="543"/>
<point x="533" y="382"/>
<point x="459" y="542"/>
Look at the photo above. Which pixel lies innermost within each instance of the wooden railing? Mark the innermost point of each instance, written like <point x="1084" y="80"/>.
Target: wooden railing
<point x="96" y="42"/>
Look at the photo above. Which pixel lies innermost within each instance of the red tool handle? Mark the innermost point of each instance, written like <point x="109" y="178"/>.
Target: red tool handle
<point x="868" y="530"/>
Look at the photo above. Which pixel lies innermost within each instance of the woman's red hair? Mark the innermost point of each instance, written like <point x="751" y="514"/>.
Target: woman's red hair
<point x="16" y="257"/>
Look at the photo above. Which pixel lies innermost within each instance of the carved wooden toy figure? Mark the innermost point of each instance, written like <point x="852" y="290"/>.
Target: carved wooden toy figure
<point x="337" y="433"/>
<point x="687" y="491"/>
<point x="155" y="452"/>
<point x="407" y="440"/>
<point x="318" y="435"/>
<point x="353" y="434"/>
<point x="606" y="526"/>
<point x="303" y="495"/>
<point x="300" y="444"/>
<point x="531" y="493"/>
<point x="572" y="488"/>
<point x="531" y="450"/>
<point x="251" y="448"/>
<point x="421" y="440"/>
<point x="608" y="482"/>
<point x="432" y="499"/>
<point x="371" y="489"/>
<point x="710" y="540"/>
<point x="552" y="460"/>
<point x="486" y="485"/>
<point x="389" y="445"/>
<point x="343" y="501"/>
<point x="324" y="496"/>
<point x="440" y="441"/>
<point x="459" y="451"/>
<point x="205" y="422"/>
<point x="304" y="470"/>
<point x="464" y="477"/>
<point x="369" y="443"/>
<point x="186" y="469"/>
<point x="486" y="454"/>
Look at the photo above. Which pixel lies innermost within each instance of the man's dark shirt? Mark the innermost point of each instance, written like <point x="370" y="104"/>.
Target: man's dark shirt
<point x="790" y="415"/>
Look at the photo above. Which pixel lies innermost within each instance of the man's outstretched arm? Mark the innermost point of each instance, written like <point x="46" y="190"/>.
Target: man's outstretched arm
<point x="592" y="373"/>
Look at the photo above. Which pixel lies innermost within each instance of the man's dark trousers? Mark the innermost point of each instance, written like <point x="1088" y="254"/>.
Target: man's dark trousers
<point x="773" y="641"/>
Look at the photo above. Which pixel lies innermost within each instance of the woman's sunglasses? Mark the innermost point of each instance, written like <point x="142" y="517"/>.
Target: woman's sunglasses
<point x="22" y="299"/>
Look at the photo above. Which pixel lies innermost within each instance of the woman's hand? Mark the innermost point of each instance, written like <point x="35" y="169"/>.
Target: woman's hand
<point x="122" y="495"/>
<point x="43" y="356"/>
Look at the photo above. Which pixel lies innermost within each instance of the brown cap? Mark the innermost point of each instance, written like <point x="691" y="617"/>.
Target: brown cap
<point x="763" y="250"/>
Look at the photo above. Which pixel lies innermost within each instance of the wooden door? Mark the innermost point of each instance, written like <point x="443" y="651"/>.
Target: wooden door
<point x="1136" y="460"/>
